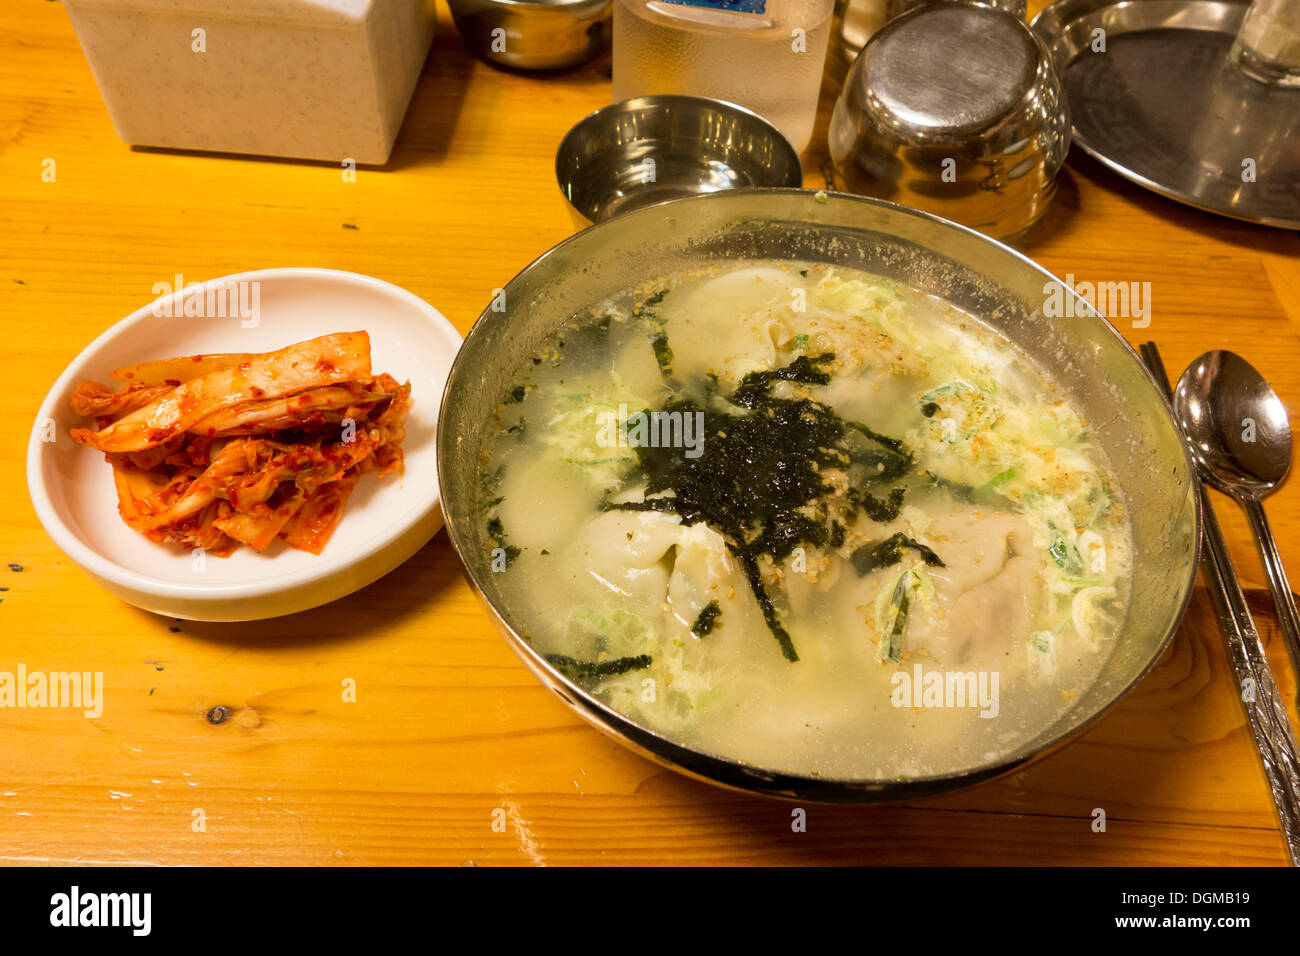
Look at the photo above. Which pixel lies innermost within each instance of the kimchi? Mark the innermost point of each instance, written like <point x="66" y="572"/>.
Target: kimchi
<point x="222" y="450"/>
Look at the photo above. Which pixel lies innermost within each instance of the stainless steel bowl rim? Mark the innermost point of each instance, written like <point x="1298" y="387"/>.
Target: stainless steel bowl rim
<point x="652" y="99"/>
<point x="734" y="774"/>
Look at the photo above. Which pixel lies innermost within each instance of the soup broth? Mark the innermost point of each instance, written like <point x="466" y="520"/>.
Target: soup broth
<point x="804" y="518"/>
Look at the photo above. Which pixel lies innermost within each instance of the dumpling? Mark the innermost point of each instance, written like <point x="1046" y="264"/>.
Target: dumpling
<point x="730" y="325"/>
<point x="986" y="594"/>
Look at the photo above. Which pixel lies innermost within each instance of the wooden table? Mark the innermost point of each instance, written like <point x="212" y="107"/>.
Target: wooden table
<point x="447" y="726"/>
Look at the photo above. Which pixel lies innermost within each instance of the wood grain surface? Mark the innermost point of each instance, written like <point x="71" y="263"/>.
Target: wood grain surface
<point x="447" y="727"/>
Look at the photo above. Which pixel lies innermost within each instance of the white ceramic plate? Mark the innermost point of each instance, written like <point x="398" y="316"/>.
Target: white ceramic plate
<point x="386" y="520"/>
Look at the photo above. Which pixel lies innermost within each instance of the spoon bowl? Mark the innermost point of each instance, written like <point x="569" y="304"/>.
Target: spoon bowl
<point x="1236" y="426"/>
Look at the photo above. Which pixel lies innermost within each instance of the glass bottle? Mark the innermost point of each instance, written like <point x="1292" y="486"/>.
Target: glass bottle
<point x="764" y="55"/>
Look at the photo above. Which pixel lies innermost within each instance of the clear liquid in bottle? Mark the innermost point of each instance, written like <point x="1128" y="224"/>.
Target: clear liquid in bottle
<point x="769" y="61"/>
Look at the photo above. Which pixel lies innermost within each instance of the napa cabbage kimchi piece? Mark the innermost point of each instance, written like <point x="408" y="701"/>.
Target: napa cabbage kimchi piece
<point x="221" y="450"/>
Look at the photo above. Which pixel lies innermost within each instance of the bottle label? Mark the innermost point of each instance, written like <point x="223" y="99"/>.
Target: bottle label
<point x="734" y="6"/>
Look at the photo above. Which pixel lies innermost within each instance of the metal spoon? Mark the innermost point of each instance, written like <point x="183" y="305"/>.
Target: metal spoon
<point x="1240" y="438"/>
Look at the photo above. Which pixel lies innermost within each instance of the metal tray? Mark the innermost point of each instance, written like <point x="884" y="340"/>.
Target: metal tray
<point x="1164" y="107"/>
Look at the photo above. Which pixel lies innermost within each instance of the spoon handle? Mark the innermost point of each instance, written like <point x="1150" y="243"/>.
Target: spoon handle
<point x="1288" y="619"/>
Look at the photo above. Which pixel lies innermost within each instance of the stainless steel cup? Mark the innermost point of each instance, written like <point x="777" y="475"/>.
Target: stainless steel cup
<point x="955" y="109"/>
<point x="534" y="34"/>
<point x="652" y="148"/>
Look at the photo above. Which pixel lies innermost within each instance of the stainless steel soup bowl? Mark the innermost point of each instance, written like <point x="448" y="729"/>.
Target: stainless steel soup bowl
<point x="1126" y="414"/>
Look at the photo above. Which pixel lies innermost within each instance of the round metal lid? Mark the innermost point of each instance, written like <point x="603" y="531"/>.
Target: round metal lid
<point x="950" y="67"/>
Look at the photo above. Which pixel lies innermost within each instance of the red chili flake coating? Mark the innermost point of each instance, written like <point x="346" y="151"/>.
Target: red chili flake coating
<point x="259" y="469"/>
